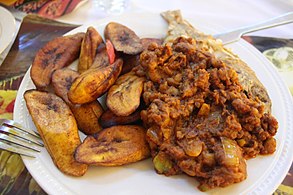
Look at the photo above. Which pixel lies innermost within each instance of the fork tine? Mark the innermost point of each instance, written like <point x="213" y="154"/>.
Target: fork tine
<point x="11" y="123"/>
<point x="22" y="135"/>
<point x="11" y="139"/>
<point x="10" y="148"/>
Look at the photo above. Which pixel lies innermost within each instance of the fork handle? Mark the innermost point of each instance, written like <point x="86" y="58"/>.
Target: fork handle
<point x="276" y="21"/>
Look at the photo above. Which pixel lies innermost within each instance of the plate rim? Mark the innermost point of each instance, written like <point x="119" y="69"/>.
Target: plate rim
<point x="8" y="32"/>
<point x="281" y="163"/>
<point x="258" y="190"/>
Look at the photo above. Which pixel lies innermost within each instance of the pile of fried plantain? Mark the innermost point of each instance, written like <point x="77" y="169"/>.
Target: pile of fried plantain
<point x="99" y="71"/>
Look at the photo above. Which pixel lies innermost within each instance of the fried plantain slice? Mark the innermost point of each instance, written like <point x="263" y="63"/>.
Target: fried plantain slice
<point x="123" y="97"/>
<point x="101" y="59"/>
<point x="93" y="83"/>
<point x="108" y="119"/>
<point x="114" y="146"/>
<point x="56" y="54"/>
<point x="123" y="38"/>
<point x="62" y="80"/>
<point x="86" y="115"/>
<point x="89" y="45"/>
<point x="58" y="129"/>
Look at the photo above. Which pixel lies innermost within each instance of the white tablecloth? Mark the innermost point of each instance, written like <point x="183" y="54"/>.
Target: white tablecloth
<point x="225" y="13"/>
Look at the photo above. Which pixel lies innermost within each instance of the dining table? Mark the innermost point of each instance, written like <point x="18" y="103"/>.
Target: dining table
<point x="33" y="31"/>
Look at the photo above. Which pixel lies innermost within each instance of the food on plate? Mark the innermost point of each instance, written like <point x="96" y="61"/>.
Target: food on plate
<point x="58" y="129"/>
<point x="62" y="80"/>
<point x="94" y="82"/>
<point x="123" y="38"/>
<point x="246" y="76"/>
<point x="194" y="102"/>
<point x="110" y="51"/>
<point x="109" y="119"/>
<point x="89" y="45"/>
<point x="56" y="54"/>
<point x="198" y="108"/>
<point x="101" y="58"/>
<point x="123" y="97"/>
<point x="131" y="61"/>
<point x="201" y="117"/>
<point x="147" y="41"/>
<point x="86" y="115"/>
<point x="116" y="145"/>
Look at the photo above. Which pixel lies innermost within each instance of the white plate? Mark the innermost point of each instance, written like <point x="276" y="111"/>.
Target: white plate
<point x="7" y="28"/>
<point x="265" y="173"/>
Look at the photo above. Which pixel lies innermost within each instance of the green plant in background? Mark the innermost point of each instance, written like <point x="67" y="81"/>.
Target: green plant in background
<point x="282" y="58"/>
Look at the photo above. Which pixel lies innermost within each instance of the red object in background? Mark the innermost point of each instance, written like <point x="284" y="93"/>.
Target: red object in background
<point x="47" y="8"/>
<point x="10" y="106"/>
<point x="53" y="9"/>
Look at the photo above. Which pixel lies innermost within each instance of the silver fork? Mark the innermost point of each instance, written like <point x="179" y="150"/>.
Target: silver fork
<point x="18" y="139"/>
<point x="234" y="35"/>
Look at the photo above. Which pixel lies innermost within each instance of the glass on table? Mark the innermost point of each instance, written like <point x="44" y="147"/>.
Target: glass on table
<point x="112" y="6"/>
